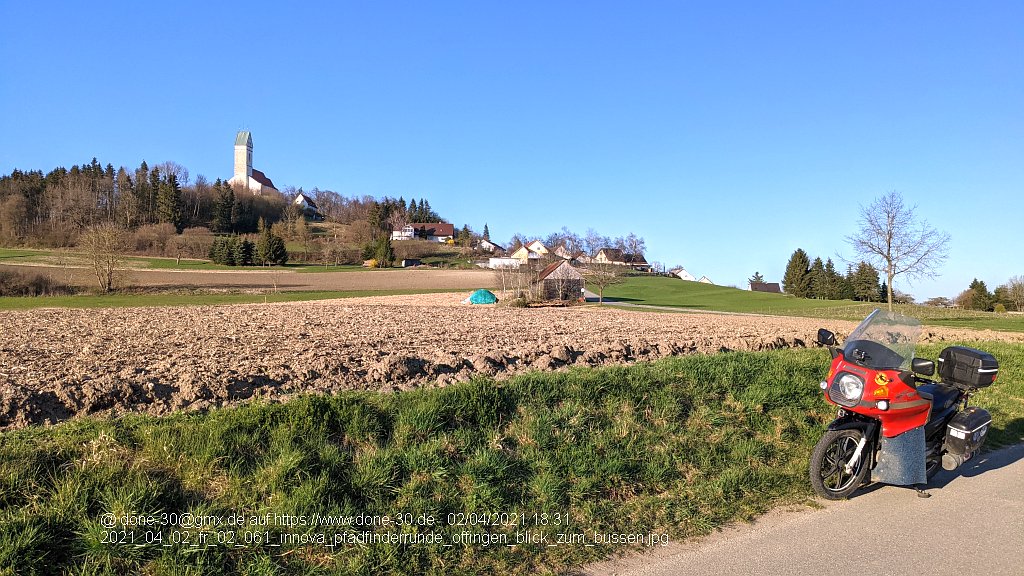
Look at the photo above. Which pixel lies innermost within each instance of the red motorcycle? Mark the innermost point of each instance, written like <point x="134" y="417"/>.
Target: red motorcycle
<point x="894" y="422"/>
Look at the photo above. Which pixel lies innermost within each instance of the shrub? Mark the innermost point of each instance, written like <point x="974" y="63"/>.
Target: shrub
<point x="14" y="283"/>
<point x="999" y="308"/>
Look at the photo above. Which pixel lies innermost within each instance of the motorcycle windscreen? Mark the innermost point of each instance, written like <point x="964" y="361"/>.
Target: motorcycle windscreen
<point x="901" y="459"/>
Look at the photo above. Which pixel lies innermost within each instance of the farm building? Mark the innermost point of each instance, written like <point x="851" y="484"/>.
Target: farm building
<point x="683" y="274"/>
<point x="705" y="280"/>
<point x="409" y="262"/>
<point x="771" y="287"/>
<point x="559" y="281"/>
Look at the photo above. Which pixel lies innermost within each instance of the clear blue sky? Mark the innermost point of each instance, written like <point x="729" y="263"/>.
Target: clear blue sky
<point x="727" y="134"/>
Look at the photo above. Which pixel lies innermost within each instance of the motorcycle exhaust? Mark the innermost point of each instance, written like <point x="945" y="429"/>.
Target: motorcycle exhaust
<point x="952" y="461"/>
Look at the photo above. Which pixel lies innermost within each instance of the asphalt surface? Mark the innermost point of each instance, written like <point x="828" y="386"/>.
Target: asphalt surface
<point x="972" y="524"/>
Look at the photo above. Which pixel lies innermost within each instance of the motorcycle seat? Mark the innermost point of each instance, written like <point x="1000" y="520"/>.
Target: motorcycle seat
<point x="941" y="396"/>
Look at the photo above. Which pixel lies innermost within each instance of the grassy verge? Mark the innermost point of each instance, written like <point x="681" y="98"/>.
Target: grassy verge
<point x="172" y="299"/>
<point x="673" y="293"/>
<point x="673" y="448"/>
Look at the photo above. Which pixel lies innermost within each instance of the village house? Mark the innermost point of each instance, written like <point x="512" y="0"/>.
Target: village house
<point x="618" y="257"/>
<point x="433" y="232"/>
<point x="683" y="274"/>
<point x="488" y="246"/>
<point x="308" y="206"/>
<point x="534" y="250"/>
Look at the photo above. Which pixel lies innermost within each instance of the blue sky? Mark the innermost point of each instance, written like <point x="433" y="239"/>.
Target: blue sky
<point x="726" y="133"/>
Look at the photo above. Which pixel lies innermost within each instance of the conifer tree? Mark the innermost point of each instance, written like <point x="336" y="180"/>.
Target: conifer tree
<point x="816" y="282"/>
<point x="223" y="204"/>
<point x="169" y="202"/>
<point x="795" y="280"/>
<point x="864" y="281"/>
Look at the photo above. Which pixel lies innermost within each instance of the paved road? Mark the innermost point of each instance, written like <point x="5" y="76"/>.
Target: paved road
<point x="972" y="524"/>
<point x="592" y="297"/>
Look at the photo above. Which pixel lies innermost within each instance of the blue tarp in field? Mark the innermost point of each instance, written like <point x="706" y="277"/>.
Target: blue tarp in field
<point x="482" y="297"/>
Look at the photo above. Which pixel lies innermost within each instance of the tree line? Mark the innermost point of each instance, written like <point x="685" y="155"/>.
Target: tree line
<point x="805" y="278"/>
<point x="53" y="209"/>
<point x="1007" y="297"/>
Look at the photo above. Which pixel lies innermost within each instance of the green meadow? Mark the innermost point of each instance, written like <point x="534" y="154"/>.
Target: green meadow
<point x="675" y="293"/>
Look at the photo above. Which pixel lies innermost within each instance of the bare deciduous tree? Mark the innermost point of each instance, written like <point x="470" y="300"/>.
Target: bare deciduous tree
<point x="594" y="242"/>
<point x="635" y="245"/>
<point x="1015" y="292"/>
<point x="892" y="237"/>
<point x="602" y="276"/>
<point x="104" y="246"/>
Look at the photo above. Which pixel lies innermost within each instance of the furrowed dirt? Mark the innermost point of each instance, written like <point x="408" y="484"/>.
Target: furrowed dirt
<point x="56" y="364"/>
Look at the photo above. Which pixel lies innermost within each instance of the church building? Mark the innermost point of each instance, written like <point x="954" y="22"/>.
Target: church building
<point x="245" y="175"/>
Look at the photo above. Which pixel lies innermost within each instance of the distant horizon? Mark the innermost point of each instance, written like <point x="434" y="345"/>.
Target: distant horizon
<point x="726" y="135"/>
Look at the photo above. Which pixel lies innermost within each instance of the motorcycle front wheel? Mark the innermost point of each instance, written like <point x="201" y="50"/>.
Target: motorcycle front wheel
<point x="829" y="476"/>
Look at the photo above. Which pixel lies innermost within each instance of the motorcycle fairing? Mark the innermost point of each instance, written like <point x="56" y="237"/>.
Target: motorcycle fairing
<point x="901" y="459"/>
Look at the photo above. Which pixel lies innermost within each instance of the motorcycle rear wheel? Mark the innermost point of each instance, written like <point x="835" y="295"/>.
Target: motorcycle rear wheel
<point x="829" y="477"/>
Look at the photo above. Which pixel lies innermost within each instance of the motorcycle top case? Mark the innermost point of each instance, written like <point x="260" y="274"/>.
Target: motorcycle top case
<point x="967" y="368"/>
<point x="967" y="431"/>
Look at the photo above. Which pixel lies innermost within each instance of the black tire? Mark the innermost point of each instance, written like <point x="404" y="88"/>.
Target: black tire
<point x="828" y="464"/>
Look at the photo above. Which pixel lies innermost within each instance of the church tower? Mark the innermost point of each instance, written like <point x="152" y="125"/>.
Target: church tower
<point x="243" y="156"/>
<point x="245" y="175"/>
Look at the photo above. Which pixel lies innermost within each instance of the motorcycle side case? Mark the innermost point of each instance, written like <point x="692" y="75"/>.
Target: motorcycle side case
<point x="967" y="431"/>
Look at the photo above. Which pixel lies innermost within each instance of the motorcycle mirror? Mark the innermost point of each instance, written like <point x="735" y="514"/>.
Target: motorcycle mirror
<point x="922" y="366"/>
<point x="826" y="338"/>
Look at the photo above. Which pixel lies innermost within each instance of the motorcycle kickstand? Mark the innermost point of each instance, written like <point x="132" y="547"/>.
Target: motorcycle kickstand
<point x="921" y="493"/>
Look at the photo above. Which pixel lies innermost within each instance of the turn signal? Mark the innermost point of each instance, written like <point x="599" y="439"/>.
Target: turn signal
<point x="881" y="391"/>
<point x="882" y="405"/>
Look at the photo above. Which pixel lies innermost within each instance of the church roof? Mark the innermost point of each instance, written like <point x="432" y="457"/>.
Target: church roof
<point x="262" y="178"/>
<point x="243" y="138"/>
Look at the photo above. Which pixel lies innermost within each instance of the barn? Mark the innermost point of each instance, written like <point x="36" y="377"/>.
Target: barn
<point x="559" y="281"/>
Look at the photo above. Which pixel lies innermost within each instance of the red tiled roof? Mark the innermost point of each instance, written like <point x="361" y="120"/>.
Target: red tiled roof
<point x="438" y="229"/>
<point x="262" y="178"/>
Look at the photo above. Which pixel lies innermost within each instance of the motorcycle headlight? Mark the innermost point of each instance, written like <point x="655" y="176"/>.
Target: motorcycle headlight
<point x="852" y="387"/>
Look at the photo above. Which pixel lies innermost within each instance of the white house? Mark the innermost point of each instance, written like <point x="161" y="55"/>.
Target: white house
<point x="498" y="263"/>
<point x="684" y="275"/>
<point x="245" y="175"/>
<point x="489" y="246"/>
<point x="705" y="280"/>
<point x="406" y="233"/>
<point x="307" y="205"/>
<point x="433" y="232"/>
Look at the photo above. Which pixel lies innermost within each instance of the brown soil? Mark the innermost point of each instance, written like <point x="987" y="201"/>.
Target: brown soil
<point x="59" y="363"/>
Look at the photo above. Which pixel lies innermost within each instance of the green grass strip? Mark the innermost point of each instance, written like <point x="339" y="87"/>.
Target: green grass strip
<point x="677" y="447"/>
